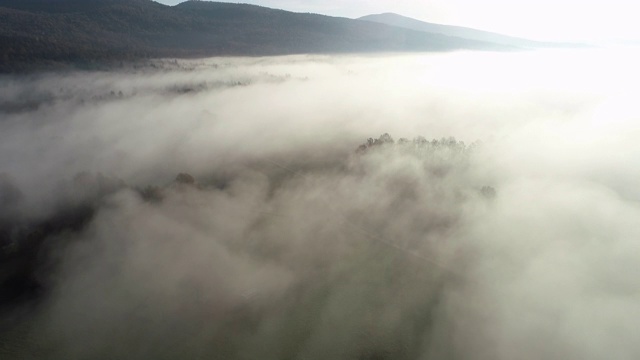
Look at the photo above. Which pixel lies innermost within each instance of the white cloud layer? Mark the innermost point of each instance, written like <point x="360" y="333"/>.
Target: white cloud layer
<point x="295" y="246"/>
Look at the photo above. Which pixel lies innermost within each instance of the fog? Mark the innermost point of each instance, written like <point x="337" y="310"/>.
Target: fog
<point x="234" y="208"/>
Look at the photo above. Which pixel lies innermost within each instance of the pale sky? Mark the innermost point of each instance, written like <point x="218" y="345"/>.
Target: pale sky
<point x="573" y="20"/>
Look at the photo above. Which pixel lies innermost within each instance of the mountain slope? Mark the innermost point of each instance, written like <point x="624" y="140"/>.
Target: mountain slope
<point x="458" y="31"/>
<point x="41" y="33"/>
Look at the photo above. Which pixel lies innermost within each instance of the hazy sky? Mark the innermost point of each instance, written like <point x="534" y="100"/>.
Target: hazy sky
<point x="539" y="19"/>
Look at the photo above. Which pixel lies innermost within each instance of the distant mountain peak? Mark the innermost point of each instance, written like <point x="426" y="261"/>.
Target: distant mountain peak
<point x="388" y="14"/>
<point x="398" y="20"/>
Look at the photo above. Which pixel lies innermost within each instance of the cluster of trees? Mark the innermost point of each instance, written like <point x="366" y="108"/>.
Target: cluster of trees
<point x="440" y="156"/>
<point x="419" y="142"/>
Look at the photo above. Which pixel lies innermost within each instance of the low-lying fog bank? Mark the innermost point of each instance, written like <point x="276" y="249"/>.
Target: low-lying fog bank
<point x="235" y="209"/>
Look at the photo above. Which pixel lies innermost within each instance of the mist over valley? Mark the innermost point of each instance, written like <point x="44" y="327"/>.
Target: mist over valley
<point x="467" y="205"/>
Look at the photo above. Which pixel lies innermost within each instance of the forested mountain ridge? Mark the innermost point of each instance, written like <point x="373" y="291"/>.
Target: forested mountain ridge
<point x="36" y="34"/>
